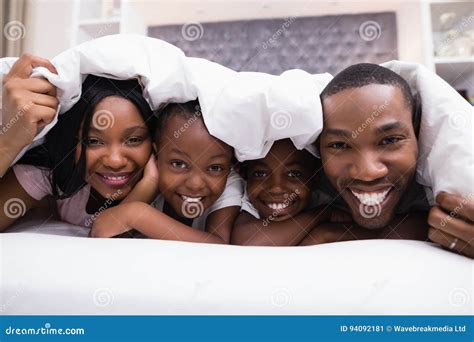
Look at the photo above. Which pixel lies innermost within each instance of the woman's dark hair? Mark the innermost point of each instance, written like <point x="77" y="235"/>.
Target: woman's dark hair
<point x="58" y="151"/>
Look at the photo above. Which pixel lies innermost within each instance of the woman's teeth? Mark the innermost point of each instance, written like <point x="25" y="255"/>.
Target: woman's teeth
<point x="371" y="198"/>
<point x="115" y="178"/>
<point x="191" y="199"/>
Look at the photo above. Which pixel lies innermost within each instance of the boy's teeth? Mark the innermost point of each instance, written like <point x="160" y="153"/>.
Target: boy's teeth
<point x="191" y="199"/>
<point x="371" y="198"/>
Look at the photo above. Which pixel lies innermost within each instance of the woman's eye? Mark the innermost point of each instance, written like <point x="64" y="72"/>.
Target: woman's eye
<point x="93" y="142"/>
<point x="390" y="140"/>
<point x="216" y="168"/>
<point x="295" y="173"/>
<point x="259" y="173"/>
<point x="178" y="164"/>
<point x="134" y="140"/>
<point x="338" y="145"/>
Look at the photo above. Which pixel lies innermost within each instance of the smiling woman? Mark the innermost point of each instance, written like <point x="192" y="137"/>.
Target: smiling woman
<point x="92" y="158"/>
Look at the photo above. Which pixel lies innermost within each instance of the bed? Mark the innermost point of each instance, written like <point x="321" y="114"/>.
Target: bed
<point x="52" y="268"/>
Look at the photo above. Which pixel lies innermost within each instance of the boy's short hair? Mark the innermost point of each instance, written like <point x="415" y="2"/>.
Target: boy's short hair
<point x="189" y="110"/>
<point x="363" y="74"/>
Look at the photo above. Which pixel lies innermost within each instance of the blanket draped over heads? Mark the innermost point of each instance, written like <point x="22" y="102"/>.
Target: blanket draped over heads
<point x="251" y="110"/>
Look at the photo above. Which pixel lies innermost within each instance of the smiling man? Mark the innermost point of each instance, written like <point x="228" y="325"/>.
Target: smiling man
<point x="369" y="152"/>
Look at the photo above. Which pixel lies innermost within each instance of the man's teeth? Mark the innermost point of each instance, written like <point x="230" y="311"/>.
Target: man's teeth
<point x="278" y="206"/>
<point x="371" y="198"/>
<point x="191" y="199"/>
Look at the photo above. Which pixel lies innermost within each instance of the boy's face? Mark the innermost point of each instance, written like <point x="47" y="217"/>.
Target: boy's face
<point x="193" y="166"/>
<point x="279" y="184"/>
<point x="369" y="150"/>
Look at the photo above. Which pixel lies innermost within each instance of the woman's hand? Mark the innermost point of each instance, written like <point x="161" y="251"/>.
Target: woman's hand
<point x="27" y="105"/>
<point x="452" y="223"/>
<point x="113" y="221"/>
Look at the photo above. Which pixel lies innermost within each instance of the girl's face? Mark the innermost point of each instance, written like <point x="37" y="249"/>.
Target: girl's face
<point x="193" y="166"/>
<point x="279" y="185"/>
<point x="118" y="148"/>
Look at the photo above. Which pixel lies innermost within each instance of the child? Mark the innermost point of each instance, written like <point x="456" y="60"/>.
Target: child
<point x="194" y="170"/>
<point x="91" y="159"/>
<point x="276" y="209"/>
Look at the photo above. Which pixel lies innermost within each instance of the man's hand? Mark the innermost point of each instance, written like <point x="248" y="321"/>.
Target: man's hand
<point x="452" y="223"/>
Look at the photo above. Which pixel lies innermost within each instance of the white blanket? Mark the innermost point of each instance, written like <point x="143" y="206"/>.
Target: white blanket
<point x="43" y="274"/>
<point x="250" y="111"/>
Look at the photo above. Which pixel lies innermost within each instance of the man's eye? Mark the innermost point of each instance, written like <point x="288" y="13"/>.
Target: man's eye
<point x="338" y="145"/>
<point x="390" y="140"/>
<point x="259" y="174"/>
<point x="295" y="173"/>
<point x="178" y="164"/>
<point x="216" y="168"/>
<point x="93" y="142"/>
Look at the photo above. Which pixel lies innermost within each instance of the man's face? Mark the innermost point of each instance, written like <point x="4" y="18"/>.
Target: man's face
<point x="369" y="150"/>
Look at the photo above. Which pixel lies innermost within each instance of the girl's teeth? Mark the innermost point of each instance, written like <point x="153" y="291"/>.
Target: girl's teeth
<point x="278" y="206"/>
<point x="371" y="198"/>
<point x="191" y="199"/>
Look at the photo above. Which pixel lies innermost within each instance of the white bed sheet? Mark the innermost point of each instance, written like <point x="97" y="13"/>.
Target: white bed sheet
<point x="53" y="268"/>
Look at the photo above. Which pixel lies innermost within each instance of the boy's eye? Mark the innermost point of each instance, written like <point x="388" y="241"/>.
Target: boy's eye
<point x="259" y="173"/>
<point x="295" y="173"/>
<point x="216" y="168"/>
<point x="390" y="140"/>
<point x="93" y="142"/>
<point x="339" y="145"/>
<point x="179" y="164"/>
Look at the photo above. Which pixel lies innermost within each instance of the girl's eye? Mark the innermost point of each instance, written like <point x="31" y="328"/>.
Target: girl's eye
<point x="339" y="145"/>
<point x="134" y="140"/>
<point x="390" y="140"/>
<point x="216" y="168"/>
<point x="259" y="173"/>
<point x="93" y="142"/>
<point x="178" y="164"/>
<point x="295" y="173"/>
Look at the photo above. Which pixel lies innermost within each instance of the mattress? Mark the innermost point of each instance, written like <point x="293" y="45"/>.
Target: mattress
<point x="53" y="268"/>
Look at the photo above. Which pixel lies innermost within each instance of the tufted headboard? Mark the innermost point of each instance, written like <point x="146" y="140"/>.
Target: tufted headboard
<point x="314" y="44"/>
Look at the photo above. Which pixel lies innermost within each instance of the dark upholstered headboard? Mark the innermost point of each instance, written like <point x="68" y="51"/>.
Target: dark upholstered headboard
<point x="314" y="44"/>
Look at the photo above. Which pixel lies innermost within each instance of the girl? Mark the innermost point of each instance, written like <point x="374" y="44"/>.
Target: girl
<point x="194" y="169"/>
<point x="91" y="159"/>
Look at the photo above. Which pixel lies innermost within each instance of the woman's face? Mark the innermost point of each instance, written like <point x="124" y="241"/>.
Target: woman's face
<point x="118" y="148"/>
